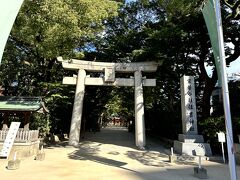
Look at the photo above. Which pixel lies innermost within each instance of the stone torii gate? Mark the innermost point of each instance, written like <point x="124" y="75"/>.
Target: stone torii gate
<point x="109" y="70"/>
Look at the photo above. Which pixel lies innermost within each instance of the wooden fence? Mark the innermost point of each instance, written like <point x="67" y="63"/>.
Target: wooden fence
<point x="22" y="135"/>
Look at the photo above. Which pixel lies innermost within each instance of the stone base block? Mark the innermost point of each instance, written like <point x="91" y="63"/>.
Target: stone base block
<point x="23" y="149"/>
<point x="172" y="158"/>
<point x="13" y="164"/>
<point x="192" y="148"/>
<point x="40" y="157"/>
<point x="200" y="173"/>
<point x="190" y="138"/>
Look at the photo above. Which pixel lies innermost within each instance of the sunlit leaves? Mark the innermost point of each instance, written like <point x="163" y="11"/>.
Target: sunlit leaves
<point x="57" y="27"/>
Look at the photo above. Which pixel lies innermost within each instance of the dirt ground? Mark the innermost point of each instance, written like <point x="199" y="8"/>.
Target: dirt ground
<point x="109" y="154"/>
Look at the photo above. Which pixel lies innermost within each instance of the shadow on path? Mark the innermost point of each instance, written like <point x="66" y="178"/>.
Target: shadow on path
<point x="149" y="158"/>
<point x="81" y="155"/>
<point x="118" y="143"/>
<point x="112" y="144"/>
<point x="78" y="155"/>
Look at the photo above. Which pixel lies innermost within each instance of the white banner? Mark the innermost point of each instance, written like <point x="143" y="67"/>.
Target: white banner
<point x="8" y="13"/>
<point x="8" y="142"/>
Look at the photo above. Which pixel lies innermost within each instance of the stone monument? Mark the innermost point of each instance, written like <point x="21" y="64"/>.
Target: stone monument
<point x="190" y="141"/>
<point x="109" y="79"/>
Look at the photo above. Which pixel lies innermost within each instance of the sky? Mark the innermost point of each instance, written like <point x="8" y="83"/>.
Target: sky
<point x="232" y="69"/>
<point x="126" y="1"/>
<point x="234" y="66"/>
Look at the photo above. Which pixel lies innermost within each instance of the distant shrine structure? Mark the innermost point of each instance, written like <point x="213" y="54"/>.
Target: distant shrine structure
<point x="109" y="79"/>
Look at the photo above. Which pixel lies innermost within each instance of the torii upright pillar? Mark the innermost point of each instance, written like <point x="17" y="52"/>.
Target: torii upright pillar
<point x="140" y="138"/>
<point x="77" y="109"/>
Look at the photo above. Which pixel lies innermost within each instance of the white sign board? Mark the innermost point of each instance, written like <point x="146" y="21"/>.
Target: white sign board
<point x="200" y="150"/>
<point x="221" y="137"/>
<point x="7" y="145"/>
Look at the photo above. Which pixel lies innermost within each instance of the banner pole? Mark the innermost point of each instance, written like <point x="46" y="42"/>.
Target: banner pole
<point x="225" y="92"/>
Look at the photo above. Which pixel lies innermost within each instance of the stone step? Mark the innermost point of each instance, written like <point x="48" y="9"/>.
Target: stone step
<point x="189" y="138"/>
<point x="192" y="149"/>
<point x="186" y="159"/>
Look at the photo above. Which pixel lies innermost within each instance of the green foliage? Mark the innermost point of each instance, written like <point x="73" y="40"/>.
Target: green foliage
<point x="212" y="125"/>
<point x="56" y="27"/>
<point x="42" y="123"/>
<point x="103" y="103"/>
<point x="118" y="106"/>
<point x="147" y="31"/>
<point x="173" y="32"/>
<point x="59" y="100"/>
<point x="44" y="30"/>
<point x="209" y="128"/>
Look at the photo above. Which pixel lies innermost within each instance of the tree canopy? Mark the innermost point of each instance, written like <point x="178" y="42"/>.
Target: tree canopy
<point x="56" y="27"/>
<point x="175" y="32"/>
<point x="44" y="30"/>
<point x="47" y="29"/>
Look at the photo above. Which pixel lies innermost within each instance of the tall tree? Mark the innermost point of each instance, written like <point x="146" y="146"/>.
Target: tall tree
<point x="173" y="31"/>
<point x="45" y="29"/>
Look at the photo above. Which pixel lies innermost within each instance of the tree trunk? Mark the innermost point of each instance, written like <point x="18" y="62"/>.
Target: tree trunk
<point x="209" y="86"/>
<point x="48" y="70"/>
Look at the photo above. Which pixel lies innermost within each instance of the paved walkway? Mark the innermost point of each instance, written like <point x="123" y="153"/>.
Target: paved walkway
<point x="109" y="154"/>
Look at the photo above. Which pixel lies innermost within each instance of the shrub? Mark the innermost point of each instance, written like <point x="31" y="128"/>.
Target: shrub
<point x="209" y="128"/>
<point x="41" y="122"/>
<point x="212" y="125"/>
